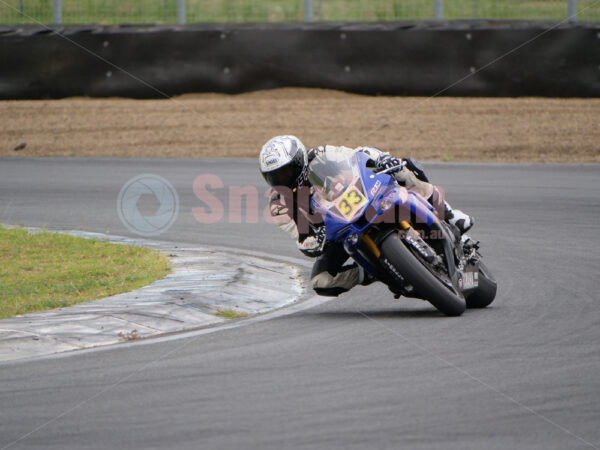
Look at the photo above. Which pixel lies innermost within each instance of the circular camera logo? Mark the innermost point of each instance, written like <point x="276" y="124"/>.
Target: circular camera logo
<point x="148" y="205"/>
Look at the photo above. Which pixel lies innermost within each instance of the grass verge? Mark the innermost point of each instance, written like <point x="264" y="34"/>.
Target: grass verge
<point x="43" y="270"/>
<point x="155" y="11"/>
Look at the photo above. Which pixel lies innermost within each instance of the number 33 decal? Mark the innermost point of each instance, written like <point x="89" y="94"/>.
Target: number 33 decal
<point x="351" y="202"/>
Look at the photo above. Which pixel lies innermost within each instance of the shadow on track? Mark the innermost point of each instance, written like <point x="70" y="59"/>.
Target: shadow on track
<point x="375" y="314"/>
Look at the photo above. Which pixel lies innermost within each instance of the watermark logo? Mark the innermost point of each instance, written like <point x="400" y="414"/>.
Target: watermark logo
<point x="148" y="205"/>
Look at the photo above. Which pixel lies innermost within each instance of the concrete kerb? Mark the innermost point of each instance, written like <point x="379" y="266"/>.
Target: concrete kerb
<point x="203" y="281"/>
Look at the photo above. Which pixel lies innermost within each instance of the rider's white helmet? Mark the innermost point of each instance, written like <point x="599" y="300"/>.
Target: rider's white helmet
<point x="283" y="161"/>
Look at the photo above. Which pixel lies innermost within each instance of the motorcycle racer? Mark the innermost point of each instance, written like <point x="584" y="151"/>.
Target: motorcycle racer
<point x="284" y="164"/>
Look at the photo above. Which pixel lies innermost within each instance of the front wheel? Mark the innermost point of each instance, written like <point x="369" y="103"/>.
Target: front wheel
<point x="414" y="272"/>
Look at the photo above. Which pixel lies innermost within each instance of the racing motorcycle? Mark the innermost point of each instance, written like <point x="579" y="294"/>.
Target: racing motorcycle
<point x="396" y="235"/>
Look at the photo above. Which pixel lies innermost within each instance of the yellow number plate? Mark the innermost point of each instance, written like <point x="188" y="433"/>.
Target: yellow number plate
<point x="351" y="202"/>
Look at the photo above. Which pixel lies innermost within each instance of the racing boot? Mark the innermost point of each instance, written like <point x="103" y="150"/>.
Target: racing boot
<point x="458" y="218"/>
<point x="470" y="248"/>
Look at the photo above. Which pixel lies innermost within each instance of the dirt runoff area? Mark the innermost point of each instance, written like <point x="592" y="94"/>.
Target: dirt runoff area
<point x="214" y="125"/>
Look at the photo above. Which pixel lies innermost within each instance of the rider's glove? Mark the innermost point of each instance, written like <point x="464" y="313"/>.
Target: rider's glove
<point x="276" y="207"/>
<point x="389" y="162"/>
<point x="313" y="245"/>
<point x="277" y="210"/>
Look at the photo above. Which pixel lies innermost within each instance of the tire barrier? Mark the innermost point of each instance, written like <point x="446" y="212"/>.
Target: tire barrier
<point x="462" y="58"/>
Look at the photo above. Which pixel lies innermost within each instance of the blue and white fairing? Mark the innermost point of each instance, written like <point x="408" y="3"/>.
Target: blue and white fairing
<point x="350" y="197"/>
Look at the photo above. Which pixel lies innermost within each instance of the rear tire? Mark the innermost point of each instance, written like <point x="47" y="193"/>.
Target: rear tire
<point x="486" y="290"/>
<point x="424" y="282"/>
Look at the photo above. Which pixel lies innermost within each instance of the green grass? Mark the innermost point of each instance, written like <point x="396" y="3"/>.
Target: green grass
<point x="164" y="11"/>
<point x="230" y="314"/>
<point x="43" y="270"/>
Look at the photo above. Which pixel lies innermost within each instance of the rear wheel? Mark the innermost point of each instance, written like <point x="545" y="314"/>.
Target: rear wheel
<point x="486" y="290"/>
<point x="427" y="284"/>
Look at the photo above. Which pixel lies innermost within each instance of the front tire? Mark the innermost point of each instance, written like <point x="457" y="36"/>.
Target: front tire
<point x="424" y="282"/>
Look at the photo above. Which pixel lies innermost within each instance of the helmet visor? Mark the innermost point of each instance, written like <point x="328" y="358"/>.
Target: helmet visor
<point x="284" y="176"/>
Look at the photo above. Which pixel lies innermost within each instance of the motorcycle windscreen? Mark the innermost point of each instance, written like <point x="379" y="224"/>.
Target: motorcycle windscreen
<point x="338" y="187"/>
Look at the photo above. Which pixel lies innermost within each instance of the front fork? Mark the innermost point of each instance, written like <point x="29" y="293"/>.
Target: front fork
<point x="365" y="251"/>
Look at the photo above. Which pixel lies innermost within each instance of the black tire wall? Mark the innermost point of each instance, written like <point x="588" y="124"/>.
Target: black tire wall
<point x="392" y="58"/>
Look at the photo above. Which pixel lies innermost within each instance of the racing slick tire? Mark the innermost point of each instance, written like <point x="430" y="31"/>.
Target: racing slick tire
<point x="427" y="285"/>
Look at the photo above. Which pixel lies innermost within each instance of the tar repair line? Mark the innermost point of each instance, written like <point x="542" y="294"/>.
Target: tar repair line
<point x="478" y="380"/>
<point x="203" y="281"/>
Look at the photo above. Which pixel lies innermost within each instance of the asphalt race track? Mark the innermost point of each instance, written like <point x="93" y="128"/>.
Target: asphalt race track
<point x="363" y="371"/>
